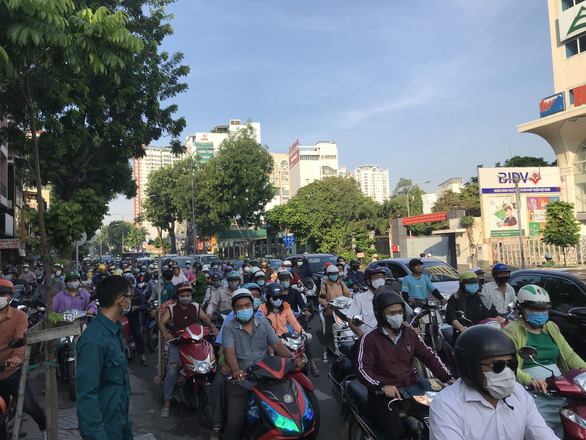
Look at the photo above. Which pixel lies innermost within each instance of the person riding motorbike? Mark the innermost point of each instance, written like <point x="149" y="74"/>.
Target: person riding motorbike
<point x="548" y="261"/>
<point x="183" y="313"/>
<point x="200" y="283"/>
<point x="468" y="301"/>
<point x="486" y="402"/>
<point x="499" y="292"/>
<point x="362" y="305"/>
<point x="258" y="277"/>
<point x="270" y="273"/>
<point x="534" y="328"/>
<point x="342" y="273"/>
<point x="292" y="295"/>
<point x="355" y="274"/>
<point x="22" y="289"/>
<point x="222" y="298"/>
<point x="385" y="361"/>
<point x="74" y="297"/>
<point x="417" y="286"/>
<point x="138" y="306"/>
<point x="331" y="288"/>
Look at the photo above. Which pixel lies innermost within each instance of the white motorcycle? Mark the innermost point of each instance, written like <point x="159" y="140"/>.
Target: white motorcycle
<point x="340" y="329"/>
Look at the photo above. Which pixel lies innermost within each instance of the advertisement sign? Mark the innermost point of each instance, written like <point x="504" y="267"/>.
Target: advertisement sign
<point x="503" y="217"/>
<point x="425" y="218"/>
<point x="10" y="243"/>
<point x="572" y="22"/>
<point x="551" y="104"/>
<point x="293" y="157"/>
<point x="536" y="213"/>
<point x="531" y="180"/>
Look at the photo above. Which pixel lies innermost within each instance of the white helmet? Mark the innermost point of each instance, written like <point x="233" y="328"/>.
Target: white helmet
<point x="332" y="270"/>
<point x="205" y="268"/>
<point x="533" y="296"/>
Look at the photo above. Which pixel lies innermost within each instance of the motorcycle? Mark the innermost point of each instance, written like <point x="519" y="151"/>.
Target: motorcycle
<point x="283" y="403"/>
<point x="35" y="312"/>
<point x="295" y="342"/>
<point x="150" y="329"/>
<point x="571" y="385"/>
<point x="340" y="329"/>
<point x="7" y="401"/>
<point x="66" y="352"/>
<point x="198" y="368"/>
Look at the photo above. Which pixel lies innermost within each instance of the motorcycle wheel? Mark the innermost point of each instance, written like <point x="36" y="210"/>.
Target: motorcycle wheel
<point x="187" y="398"/>
<point x="204" y="412"/>
<point x="153" y="338"/>
<point x="71" y="380"/>
<point x="316" y="413"/>
<point x="356" y="431"/>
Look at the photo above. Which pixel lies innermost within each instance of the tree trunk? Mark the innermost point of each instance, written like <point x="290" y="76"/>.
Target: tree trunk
<point x="51" y="402"/>
<point x="172" y="238"/>
<point x="565" y="256"/>
<point x="472" y="246"/>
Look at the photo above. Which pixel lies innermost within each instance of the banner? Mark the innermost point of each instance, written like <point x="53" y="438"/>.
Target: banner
<point x="536" y="213"/>
<point x="503" y="217"/>
<point x="425" y="218"/>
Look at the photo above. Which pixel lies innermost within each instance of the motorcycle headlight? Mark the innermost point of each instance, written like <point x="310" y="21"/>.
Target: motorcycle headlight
<point x="293" y="344"/>
<point x="340" y="321"/>
<point x="573" y="417"/>
<point x="426" y="398"/>
<point x="307" y="415"/>
<point x="580" y="380"/>
<point x="432" y="302"/>
<point x="285" y="424"/>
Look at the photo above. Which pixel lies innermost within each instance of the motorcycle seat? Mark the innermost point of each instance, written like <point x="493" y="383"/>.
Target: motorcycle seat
<point x="359" y="393"/>
<point x="346" y="348"/>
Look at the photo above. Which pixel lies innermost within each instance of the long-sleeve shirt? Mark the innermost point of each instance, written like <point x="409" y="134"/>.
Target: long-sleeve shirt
<point x="81" y="301"/>
<point x="493" y="296"/>
<point x="221" y="300"/>
<point x="332" y="290"/>
<point x="103" y="382"/>
<point x="12" y="326"/>
<point x="295" y="300"/>
<point x="279" y="320"/>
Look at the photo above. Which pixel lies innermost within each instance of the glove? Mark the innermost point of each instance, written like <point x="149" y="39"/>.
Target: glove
<point x="308" y="336"/>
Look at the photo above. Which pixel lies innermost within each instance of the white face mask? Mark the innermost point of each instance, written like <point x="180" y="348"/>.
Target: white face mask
<point x="341" y="274"/>
<point x="26" y="269"/>
<point x="58" y="273"/>
<point x="129" y="305"/>
<point x="395" y="322"/>
<point x="276" y="302"/>
<point x="4" y="302"/>
<point x="73" y="285"/>
<point x="500" y="385"/>
<point x="377" y="283"/>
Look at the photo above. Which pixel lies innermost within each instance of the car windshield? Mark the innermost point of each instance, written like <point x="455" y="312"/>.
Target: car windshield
<point x="181" y="262"/>
<point x="317" y="262"/>
<point x="275" y="263"/>
<point x="208" y="259"/>
<point x="440" y="271"/>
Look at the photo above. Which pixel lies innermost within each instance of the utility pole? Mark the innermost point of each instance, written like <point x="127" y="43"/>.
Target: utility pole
<point x="515" y="180"/>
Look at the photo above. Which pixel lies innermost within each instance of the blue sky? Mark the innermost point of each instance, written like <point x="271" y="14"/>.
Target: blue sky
<point x="426" y="89"/>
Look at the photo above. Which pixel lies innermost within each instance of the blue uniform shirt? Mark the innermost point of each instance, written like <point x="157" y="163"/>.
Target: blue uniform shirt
<point x="229" y="318"/>
<point x="417" y="288"/>
<point x="357" y="278"/>
<point x="103" y="383"/>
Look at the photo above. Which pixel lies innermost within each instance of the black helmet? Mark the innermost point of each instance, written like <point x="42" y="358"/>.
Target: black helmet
<point x="241" y="293"/>
<point x="9" y="269"/>
<point x="383" y="297"/>
<point x="216" y="277"/>
<point x="274" y="289"/>
<point x="354" y="261"/>
<point x="389" y="278"/>
<point x="371" y="270"/>
<point x="198" y="265"/>
<point x="478" y="343"/>
<point x="414" y="262"/>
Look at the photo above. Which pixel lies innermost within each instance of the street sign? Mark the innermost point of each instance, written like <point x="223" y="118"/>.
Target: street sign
<point x="288" y="239"/>
<point x="10" y="243"/>
<point x="81" y="240"/>
<point x="288" y="245"/>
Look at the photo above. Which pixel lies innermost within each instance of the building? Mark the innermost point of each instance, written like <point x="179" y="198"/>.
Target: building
<point x="562" y="114"/>
<point x="310" y="163"/>
<point x="205" y="145"/>
<point x="279" y="178"/>
<point x="455" y="184"/>
<point x="373" y="181"/>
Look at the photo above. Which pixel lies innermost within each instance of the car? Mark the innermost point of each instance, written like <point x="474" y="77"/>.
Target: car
<point x="182" y="260"/>
<point x="566" y="291"/>
<point x="236" y="263"/>
<point x="206" y="258"/>
<point x="275" y="263"/>
<point x="316" y="263"/>
<point x="443" y="276"/>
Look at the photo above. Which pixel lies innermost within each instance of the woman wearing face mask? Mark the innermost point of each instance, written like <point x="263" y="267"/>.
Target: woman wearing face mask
<point x="468" y="301"/>
<point x="536" y="330"/>
<point x="73" y="297"/>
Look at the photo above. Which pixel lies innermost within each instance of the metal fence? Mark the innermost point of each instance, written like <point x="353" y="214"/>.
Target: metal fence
<point x="507" y="251"/>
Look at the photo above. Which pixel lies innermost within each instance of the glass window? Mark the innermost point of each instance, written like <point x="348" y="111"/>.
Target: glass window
<point x="567" y="4"/>
<point x="564" y="294"/>
<point x="580" y="177"/>
<point x="524" y="279"/>
<point x="397" y="270"/>
<point x="571" y="48"/>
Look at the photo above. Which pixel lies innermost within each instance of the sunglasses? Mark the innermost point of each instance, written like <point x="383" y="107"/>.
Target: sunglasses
<point x="276" y="298"/>
<point x="499" y="366"/>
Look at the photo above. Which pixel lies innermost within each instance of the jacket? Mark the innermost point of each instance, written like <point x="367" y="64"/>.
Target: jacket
<point x="332" y="290"/>
<point x="382" y="362"/>
<point x="568" y="358"/>
<point x="279" y="320"/>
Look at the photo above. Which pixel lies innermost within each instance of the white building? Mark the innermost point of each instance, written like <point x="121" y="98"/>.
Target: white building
<point x="310" y="163"/>
<point x="373" y="181"/>
<point x="428" y="201"/>
<point x="279" y="178"/>
<point x="455" y="184"/>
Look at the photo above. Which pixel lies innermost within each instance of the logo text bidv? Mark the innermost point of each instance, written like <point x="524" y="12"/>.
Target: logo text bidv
<point x="512" y="177"/>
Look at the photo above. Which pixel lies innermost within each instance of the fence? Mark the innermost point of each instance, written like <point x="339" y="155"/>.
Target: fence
<point x="507" y="251"/>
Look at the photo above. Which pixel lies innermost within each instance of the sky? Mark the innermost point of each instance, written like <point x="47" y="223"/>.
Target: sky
<point x="426" y="89"/>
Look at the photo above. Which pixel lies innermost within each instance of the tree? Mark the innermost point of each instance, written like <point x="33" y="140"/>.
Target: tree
<point x="402" y="188"/>
<point x="239" y="179"/>
<point x="135" y="237"/>
<point x="292" y="217"/>
<point x="561" y="228"/>
<point x="525" y="161"/>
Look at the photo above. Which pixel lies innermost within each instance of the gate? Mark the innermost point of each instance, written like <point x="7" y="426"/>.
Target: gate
<point x="507" y="251"/>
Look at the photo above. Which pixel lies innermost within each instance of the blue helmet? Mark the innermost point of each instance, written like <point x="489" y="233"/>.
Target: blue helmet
<point x="233" y="275"/>
<point x="500" y="267"/>
<point x="252" y="286"/>
<point x="274" y="289"/>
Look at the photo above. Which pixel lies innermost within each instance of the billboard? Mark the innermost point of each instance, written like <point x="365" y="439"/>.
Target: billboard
<point x="552" y="104"/>
<point x="536" y="213"/>
<point x="531" y="180"/>
<point x="503" y="217"/>
<point x="572" y="22"/>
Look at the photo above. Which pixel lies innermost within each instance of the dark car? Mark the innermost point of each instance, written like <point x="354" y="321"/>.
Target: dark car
<point x="443" y="276"/>
<point x="236" y="264"/>
<point x="316" y="263"/>
<point x="566" y="291"/>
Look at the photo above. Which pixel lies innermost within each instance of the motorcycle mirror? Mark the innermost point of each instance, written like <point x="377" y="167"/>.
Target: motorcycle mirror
<point x="417" y="310"/>
<point x="527" y="353"/>
<point x="170" y="325"/>
<point x="323" y="296"/>
<point x="459" y="314"/>
<point x="511" y="306"/>
<point x="16" y="343"/>
<point x="578" y="313"/>
<point x="357" y="320"/>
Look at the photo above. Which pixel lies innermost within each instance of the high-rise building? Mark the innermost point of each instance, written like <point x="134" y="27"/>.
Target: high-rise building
<point x="562" y="114"/>
<point x="279" y="178"/>
<point x="310" y="163"/>
<point x="373" y="181"/>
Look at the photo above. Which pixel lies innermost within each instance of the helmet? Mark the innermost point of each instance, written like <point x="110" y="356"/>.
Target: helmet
<point x="414" y="262"/>
<point x="73" y="274"/>
<point x="241" y="293"/>
<point x="326" y="266"/>
<point x="127" y="270"/>
<point x="373" y="269"/>
<point x="6" y="286"/>
<point x="181" y="287"/>
<point x="533" y="296"/>
<point x="253" y="286"/>
<point x="287" y="263"/>
<point x="383" y="297"/>
<point x="548" y="256"/>
<point x="284" y="274"/>
<point x="216" y="277"/>
<point x="187" y="263"/>
<point x="500" y="267"/>
<point x="151" y="266"/>
<point x="101" y="267"/>
<point x="331" y="269"/>
<point x="468" y="277"/>
<point x="257" y="274"/>
<point x="247" y="261"/>
<point x="477" y="343"/>
<point x="388" y="274"/>
<point x="233" y="275"/>
<point x="205" y="267"/>
<point x="477" y="270"/>
<point x="228" y="269"/>
<point x="274" y="289"/>
<point x="10" y="269"/>
<point x="354" y="261"/>
<point x="117" y="272"/>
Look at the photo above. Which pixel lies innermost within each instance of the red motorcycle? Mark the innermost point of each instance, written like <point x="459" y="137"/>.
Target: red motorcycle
<point x="198" y="368"/>
<point x="572" y="386"/>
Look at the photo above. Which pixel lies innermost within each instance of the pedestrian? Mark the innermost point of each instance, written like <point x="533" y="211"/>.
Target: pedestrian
<point x="103" y="382"/>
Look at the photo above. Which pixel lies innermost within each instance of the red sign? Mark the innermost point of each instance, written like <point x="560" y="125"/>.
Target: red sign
<point x="395" y="248"/>
<point x="293" y="157"/>
<point x="425" y="218"/>
<point x="11" y="243"/>
<point x="292" y="147"/>
<point x="579" y="95"/>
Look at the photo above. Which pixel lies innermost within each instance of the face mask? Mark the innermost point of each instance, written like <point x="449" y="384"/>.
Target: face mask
<point x="256" y="303"/>
<point x="73" y="285"/>
<point x="395" y="322"/>
<point x="58" y="273"/>
<point x="286" y="284"/>
<point x="26" y="269"/>
<point x="244" y="315"/>
<point x="503" y="280"/>
<point x="8" y="277"/>
<point x="142" y="272"/>
<point x="184" y="301"/>
<point x="288" y="268"/>
<point x="216" y="283"/>
<point x="500" y="385"/>
<point x="276" y="302"/>
<point x="129" y="306"/>
<point x="341" y="274"/>
<point x="52" y="276"/>
<point x="377" y="283"/>
<point x="261" y="282"/>
<point x="300" y="263"/>
<point x="537" y="319"/>
<point x="4" y="302"/>
<point x="233" y="286"/>
<point x="246" y="269"/>
<point x="355" y="267"/>
<point x="472" y="288"/>
<point x="215" y="267"/>
<point x="333" y="277"/>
